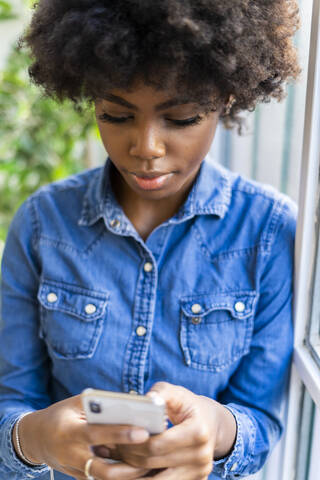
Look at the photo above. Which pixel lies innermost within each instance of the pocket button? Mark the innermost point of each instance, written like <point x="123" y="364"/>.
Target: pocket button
<point x="196" y="320"/>
<point x="52" y="297"/>
<point x="240" y="307"/>
<point x="196" y="308"/>
<point x="90" y="309"/>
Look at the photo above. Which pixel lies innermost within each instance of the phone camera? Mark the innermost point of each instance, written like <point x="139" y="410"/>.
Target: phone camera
<point x="95" y="407"/>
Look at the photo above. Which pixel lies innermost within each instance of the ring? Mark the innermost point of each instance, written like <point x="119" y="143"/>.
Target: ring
<point x="87" y="469"/>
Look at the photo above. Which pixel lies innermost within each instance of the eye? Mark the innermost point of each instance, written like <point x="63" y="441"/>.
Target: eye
<point x="105" y="117"/>
<point x="186" y="122"/>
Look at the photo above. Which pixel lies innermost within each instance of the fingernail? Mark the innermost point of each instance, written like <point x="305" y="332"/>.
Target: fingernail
<point x="139" y="435"/>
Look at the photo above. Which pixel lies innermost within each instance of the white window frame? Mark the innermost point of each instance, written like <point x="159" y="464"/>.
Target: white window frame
<point x="305" y="370"/>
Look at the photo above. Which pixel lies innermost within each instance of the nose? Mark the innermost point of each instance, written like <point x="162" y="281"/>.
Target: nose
<point x="146" y="143"/>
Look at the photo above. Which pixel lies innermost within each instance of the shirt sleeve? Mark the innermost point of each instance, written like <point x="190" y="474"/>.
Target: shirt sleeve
<point x="257" y="390"/>
<point x="24" y="368"/>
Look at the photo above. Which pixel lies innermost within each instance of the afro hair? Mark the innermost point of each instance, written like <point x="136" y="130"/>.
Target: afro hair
<point x="205" y="48"/>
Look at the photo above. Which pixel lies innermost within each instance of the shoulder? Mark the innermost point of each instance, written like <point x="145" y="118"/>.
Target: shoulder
<point x="76" y="184"/>
<point x="260" y="201"/>
<point x="56" y="207"/>
<point x="254" y="213"/>
<point x="66" y="196"/>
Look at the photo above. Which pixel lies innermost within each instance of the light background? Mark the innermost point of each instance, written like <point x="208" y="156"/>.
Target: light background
<point x="269" y="152"/>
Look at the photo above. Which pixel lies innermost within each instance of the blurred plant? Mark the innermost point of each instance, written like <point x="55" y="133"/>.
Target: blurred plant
<point x="41" y="140"/>
<point x="6" y="11"/>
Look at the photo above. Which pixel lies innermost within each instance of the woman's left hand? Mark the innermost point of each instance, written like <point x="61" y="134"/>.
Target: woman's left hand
<point x="203" y="430"/>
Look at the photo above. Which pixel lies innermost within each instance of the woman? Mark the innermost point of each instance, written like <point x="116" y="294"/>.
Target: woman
<point x="159" y="271"/>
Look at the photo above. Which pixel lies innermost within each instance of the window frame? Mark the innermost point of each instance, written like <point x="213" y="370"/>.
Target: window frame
<point x="305" y="374"/>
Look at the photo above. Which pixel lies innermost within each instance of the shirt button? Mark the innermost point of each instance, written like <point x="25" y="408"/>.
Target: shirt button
<point x="148" y="267"/>
<point x="196" y="308"/>
<point x="90" y="308"/>
<point x="240" y="307"/>
<point x="141" y="331"/>
<point x="52" y="297"/>
<point x="196" y="320"/>
<point x="234" y="466"/>
<point x="115" y="223"/>
<point x="133" y="392"/>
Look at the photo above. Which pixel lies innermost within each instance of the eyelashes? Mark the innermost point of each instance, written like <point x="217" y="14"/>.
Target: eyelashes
<point x="105" y="117"/>
<point x="188" y="121"/>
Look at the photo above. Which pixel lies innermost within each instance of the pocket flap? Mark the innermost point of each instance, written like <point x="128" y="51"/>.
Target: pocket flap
<point x="86" y="304"/>
<point x="240" y="304"/>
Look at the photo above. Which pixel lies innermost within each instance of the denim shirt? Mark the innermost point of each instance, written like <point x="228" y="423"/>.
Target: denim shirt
<point x="204" y="302"/>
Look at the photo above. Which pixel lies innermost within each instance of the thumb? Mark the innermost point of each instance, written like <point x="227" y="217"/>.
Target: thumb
<point x="179" y="400"/>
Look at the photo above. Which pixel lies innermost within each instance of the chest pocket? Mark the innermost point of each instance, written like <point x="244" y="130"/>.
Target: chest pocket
<point x="72" y="319"/>
<point x="216" y="329"/>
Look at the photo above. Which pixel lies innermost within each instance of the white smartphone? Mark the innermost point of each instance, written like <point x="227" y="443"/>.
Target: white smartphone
<point x="115" y="408"/>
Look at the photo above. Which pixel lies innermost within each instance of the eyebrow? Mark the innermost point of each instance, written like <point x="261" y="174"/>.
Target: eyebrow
<point x="161" y="106"/>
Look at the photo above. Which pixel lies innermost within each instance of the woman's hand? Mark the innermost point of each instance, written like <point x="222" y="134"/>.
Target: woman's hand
<point x="61" y="437"/>
<point x="203" y="430"/>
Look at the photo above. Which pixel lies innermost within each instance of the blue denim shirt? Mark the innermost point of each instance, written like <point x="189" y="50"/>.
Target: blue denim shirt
<point x="212" y="287"/>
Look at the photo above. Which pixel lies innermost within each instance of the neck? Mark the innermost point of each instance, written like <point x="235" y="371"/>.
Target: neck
<point x="146" y="214"/>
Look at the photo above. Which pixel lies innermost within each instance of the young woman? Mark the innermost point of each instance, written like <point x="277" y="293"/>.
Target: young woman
<point x="159" y="271"/>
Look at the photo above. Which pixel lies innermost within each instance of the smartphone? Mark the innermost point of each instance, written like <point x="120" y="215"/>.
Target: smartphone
<point x="115" y="408"/>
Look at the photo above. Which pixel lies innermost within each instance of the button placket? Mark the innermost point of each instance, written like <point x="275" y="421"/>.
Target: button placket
<point x="148" y="267"/>
<point x="141" y="331"/>
<point x="137" y="349"/>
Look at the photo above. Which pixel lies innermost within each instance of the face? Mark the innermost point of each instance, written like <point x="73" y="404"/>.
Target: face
<point x="155" y="140"/>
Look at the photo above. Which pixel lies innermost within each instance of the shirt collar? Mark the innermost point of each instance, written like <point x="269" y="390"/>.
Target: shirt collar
<point x="210" y="194"/>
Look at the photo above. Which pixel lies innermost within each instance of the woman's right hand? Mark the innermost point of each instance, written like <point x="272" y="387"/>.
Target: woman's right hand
<point x="61" y="437"/>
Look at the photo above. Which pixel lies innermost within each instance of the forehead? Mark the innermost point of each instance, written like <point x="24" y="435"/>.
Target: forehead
<point x="144" y="96"/>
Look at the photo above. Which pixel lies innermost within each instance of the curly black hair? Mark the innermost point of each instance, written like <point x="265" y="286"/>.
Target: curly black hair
<point x="82" y="48"/>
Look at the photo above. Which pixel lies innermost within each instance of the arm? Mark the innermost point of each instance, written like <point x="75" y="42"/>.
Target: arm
<point x="256" y="392"/>
<point x="254" y="395"/>
<point x="24" y="368"/>
<point x="56" y="435"/>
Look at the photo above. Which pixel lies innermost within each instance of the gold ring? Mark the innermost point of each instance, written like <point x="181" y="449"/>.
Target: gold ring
<point x="87" y="469"/>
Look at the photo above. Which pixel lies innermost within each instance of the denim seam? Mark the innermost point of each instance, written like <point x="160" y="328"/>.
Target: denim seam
<point x="35" y="224"/>
<point x="184" y="341"/>
<point x="251" y="438"/>
<point x="70" y="287"/>
<point x="273" y="224"/>
<point x="233" y="293"/>
<point x="56" y="349"/>
<point x="258" y="248"/>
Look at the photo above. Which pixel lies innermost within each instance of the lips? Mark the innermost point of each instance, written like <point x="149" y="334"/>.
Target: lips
<point x="151" y="180"/>
<point x="149" y="174"/>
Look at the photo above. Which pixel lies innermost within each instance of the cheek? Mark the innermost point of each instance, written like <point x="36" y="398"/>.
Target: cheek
<point x="194" y="144"/>
<point x="113" y="142"/>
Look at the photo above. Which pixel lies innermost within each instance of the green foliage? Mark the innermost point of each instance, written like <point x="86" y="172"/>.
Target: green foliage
<point x="6" y="11"/>
<point x="41" y="140"/>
